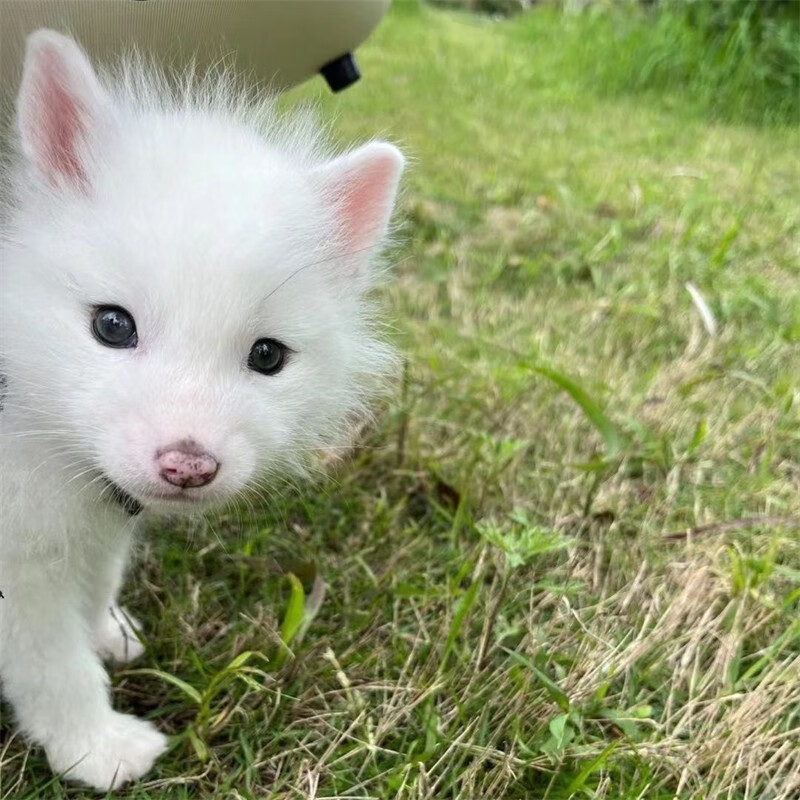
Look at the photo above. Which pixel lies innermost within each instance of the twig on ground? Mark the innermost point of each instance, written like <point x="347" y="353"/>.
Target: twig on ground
<point x="733" y="525"/>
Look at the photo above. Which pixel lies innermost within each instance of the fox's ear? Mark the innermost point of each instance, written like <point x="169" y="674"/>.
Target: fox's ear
<point x="362" y="187"/>
<point x="60" y="106"/>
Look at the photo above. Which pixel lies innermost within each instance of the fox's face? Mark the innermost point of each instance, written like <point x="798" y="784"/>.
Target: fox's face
<point x="183" y="297"/>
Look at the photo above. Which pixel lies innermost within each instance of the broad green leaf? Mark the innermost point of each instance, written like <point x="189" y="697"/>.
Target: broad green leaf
<point x="199" y="745"/>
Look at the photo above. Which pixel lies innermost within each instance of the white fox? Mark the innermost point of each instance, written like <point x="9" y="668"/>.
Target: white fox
<point x="183" y="312"/>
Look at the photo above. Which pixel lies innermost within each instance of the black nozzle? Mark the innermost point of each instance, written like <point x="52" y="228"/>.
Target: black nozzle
<point x="341" y="72"/>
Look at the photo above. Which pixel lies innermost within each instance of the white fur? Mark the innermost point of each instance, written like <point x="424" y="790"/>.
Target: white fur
<point x="215" y="223"/>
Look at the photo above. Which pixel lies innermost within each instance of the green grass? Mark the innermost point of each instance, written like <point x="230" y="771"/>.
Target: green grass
<point x="734" y="60"/>
<point x="565" y="562"/>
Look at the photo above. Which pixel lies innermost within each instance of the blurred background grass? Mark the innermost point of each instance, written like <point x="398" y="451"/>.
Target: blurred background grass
<point x="737" y="60"/>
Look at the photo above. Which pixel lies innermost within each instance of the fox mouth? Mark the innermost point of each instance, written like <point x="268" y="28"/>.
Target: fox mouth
<point x="133" y="506"/>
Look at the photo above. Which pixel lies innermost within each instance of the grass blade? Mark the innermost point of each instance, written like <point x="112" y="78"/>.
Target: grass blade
<point x="557" y="694"/>
<point x="612" y="436"/>
<point x="186" y="688"/>
<point x="465" y="603"/>
<point x="293" y="618"/>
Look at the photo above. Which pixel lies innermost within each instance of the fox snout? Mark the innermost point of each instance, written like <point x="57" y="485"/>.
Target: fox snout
<point x="186" y="464"/>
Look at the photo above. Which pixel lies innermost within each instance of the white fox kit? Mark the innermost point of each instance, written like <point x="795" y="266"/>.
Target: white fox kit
<point x="182" y="314"/>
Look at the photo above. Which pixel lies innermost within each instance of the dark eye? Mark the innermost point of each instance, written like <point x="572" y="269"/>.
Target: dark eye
<point x="114" y="327"/>
<point x="267" y="356"/>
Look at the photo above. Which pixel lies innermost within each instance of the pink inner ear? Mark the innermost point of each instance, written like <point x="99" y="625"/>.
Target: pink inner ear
<point x="58" y="121"/>
<point x="363" y="205"/>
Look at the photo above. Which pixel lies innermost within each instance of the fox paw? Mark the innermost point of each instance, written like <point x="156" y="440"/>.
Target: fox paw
<point x="117" y="637"/>
<point x="110" y="755"/>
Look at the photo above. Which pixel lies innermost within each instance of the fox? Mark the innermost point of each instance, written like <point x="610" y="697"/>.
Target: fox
<point x="185" y="315"/>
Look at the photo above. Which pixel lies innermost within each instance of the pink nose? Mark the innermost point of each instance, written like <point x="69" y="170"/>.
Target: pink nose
<point x="186" y="464"/>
